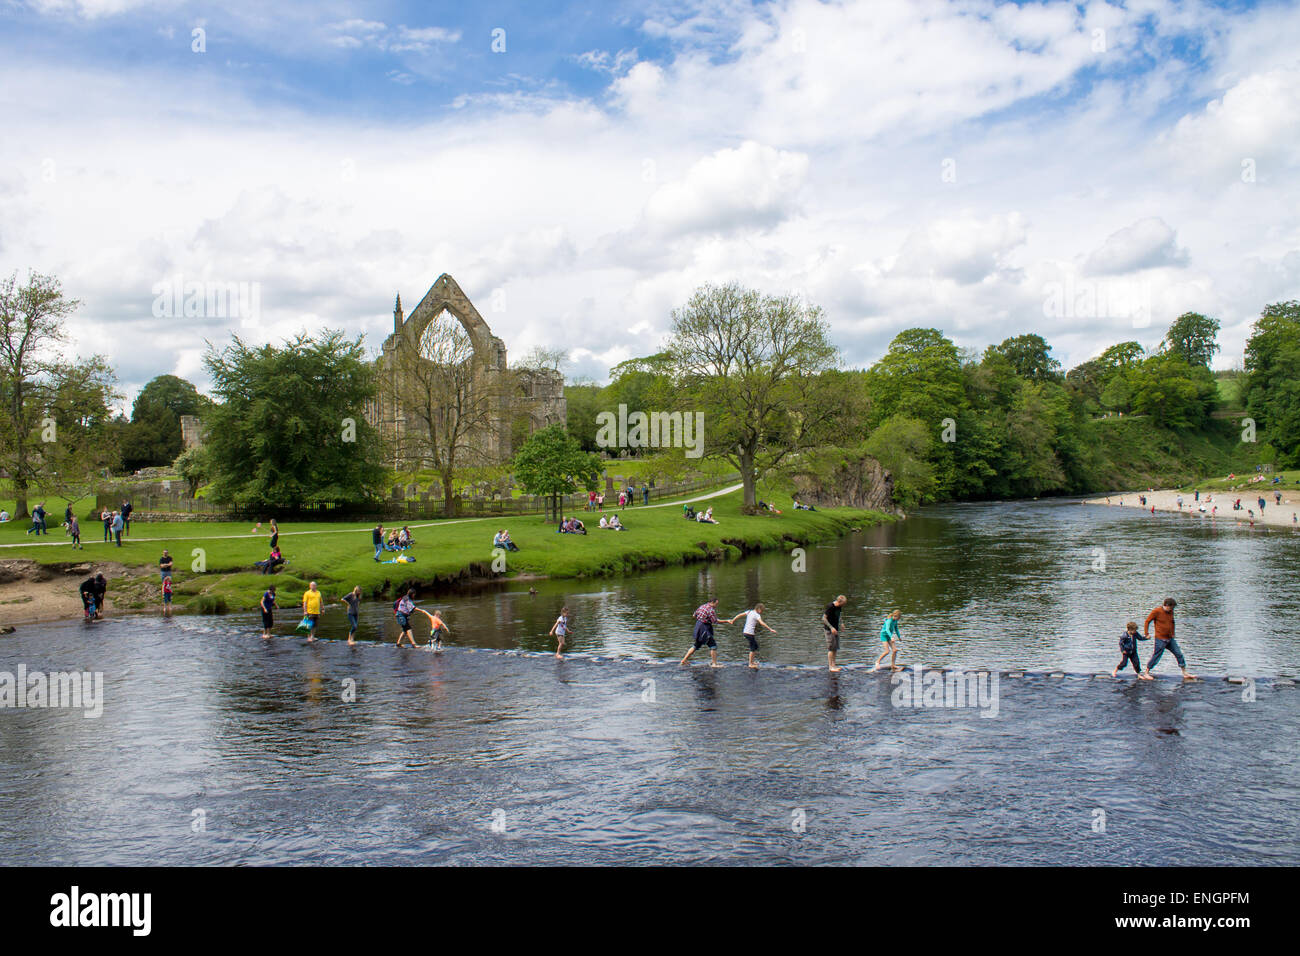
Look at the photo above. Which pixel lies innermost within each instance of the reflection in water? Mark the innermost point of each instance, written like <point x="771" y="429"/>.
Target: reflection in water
<point x="639" y="760"/>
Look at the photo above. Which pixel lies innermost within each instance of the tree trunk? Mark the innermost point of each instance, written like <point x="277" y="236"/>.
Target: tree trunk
<point x="448" y="495"/>
<point x="749" y="480"/>
<point x="20" y="493"/>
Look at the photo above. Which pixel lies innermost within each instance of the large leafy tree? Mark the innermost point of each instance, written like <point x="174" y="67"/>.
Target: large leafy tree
<point x="81" y="396"/>
<point x="290" y="427"/>
<point x="750" y="363"/>
<point x="1030" y="356"/>
<point x="1193" y="338"/>
<point x="1175" y="394"/>
<point x="552" y="463"/>
<point x="153" y="436"/>
<point x="31" y="332"/>
<point x="1271" y="390"/>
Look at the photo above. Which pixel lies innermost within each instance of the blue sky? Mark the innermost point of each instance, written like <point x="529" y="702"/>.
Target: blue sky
<point x="965" y="165"/>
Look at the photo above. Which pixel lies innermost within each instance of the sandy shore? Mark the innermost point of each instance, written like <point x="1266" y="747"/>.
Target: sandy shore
<point x="31" y="593"/>
<point x="1278" y="516"/>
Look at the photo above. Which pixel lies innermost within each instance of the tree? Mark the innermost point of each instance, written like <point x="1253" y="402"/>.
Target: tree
<point x="195" y="466"/>
<point x="1175" y="394"/>
<point x="582" y="403"/>
<point x="451" y="405"/>
<point x="745" y="360"/>
<point x="1271" y="390"/>
<point x="153" y="436"/>
<point x="291" y="428"/>
<point x="1193" y="338"/>
<point x="31" y="327"/>
<point x="81" y="395"/>
<point x="902" y="446"/>
<point x="1030" y="356"/>
<point x="552" y="463"/>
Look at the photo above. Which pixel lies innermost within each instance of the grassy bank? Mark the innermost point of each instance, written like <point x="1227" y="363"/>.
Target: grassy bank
<point x="447" y="553"/>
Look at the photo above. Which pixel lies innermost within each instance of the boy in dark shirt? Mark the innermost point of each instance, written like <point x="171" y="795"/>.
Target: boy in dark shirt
<point x="831" y="625"/>
<point x="1128" y="650"/>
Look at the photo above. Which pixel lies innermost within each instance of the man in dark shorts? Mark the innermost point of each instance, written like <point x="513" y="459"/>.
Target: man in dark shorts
<point x="706" y="617"/>
<point x="831" y="625"/>
<point x="268" y="607"/>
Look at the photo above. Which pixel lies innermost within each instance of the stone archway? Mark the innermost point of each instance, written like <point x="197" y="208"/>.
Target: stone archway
<point x="446" y="295"/>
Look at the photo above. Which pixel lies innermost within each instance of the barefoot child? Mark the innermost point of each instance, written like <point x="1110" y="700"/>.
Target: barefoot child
<point x="1128" y="650"/>
<point x="753" y="619"/>
<point x="167" y="596"/>
<point x="436" y="628"/>
<point x="560" y="630"/>
<point x="889" y="637"/>
<point x="268" y="606"/>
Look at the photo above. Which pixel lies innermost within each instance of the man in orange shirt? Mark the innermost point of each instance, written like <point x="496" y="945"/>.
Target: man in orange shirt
<point x="1163" y="616"/>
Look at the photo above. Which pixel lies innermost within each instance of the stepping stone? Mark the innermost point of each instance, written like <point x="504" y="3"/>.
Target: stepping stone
<point x="1101" y="677"/>
<point x="1057" y="674"/>
<point x="1235" y="680"/>
<point x="1015" y="674"/>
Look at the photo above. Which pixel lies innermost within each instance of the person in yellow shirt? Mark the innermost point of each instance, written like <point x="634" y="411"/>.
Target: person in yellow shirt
<point x="311" y="606"/>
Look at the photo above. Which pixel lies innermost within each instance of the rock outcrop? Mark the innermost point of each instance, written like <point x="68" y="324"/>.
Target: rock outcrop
<point x="859" y="483"/>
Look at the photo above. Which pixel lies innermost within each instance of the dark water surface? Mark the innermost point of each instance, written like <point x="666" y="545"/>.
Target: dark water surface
<point x="618" y="755"/>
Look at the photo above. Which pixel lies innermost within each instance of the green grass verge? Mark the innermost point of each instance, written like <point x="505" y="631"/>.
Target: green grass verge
<point x="447" y="553"/>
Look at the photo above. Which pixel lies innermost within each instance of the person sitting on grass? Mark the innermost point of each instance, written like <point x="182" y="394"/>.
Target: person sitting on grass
<point x="272" y="564"/>
<point x="507" y="542"/>
<point x="391" y="543"/>
<point x="615" y="524"/>
<point x="706" y="517"/>
<point x="4" y="516"/>
<point x="404" y="540"/>
<point x="688" y="512"/>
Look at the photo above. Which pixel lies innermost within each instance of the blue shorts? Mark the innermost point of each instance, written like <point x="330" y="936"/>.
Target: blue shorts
<point x="403" y="621"/>
<point x="704" y="635"/>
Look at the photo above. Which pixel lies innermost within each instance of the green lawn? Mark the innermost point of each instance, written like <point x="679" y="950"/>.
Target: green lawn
<point x="339" y="556"/>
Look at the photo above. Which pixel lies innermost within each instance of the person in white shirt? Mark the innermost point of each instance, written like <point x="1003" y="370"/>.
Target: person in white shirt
<point x="604" y="522"/>
<point x="4" y="515"/>
<point x="753" y="618"/>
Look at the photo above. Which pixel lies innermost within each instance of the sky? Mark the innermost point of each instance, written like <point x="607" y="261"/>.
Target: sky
<point x="1086" y="171"/>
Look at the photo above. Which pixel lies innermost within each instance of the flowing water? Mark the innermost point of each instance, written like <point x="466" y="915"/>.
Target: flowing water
<point x="216" y="747"/>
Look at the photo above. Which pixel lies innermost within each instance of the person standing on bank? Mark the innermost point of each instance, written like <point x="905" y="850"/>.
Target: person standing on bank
<point x="1163" y="617"/>
<point x="831" y="625"/>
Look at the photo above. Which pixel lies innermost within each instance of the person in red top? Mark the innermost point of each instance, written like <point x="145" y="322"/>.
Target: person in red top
<point x="1163" y="617"/>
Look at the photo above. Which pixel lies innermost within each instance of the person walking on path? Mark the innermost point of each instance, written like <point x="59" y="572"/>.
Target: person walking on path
<point x="560" y="630"/>
<point x="268" y="607"/>
<point x="118" y="524"/>
<point x="706" y="618"/>
<point x="831" y="625"/>
<point x="74" y="529"/>
<point x="352" y="601"/>
<point x="890" y="639"/>
<point x="1163" y="617"/>
<point x="753" y="618"/>
<point x="311" y="608"/>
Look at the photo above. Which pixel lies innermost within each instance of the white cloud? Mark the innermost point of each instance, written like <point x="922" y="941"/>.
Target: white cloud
<point x="1147" y="244"/>
<point x="751" y="186"/>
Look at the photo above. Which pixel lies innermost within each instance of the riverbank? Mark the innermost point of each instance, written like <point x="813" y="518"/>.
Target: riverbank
<point x="1284" y="515"/>
<point x="213" y="569"/>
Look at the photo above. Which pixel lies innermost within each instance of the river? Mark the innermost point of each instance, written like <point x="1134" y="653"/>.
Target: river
<point x="215" y="747"/>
